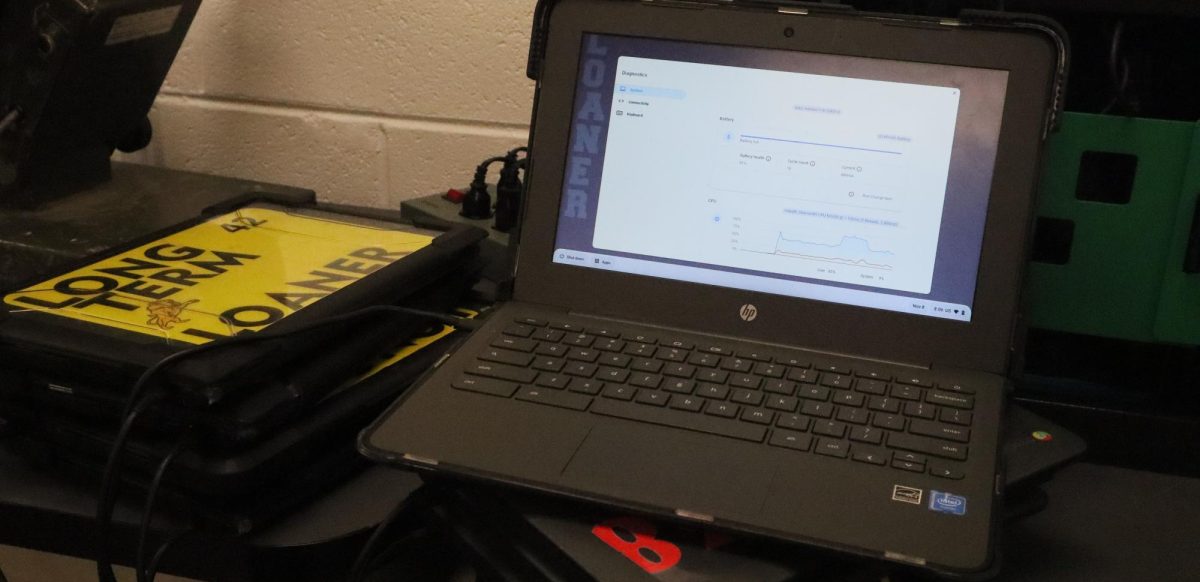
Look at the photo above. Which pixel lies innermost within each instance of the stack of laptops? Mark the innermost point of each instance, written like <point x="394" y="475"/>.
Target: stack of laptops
<point x="768" y="277"/>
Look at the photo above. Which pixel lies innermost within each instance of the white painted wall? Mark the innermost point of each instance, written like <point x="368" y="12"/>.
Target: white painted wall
<point x="366" y="101"/>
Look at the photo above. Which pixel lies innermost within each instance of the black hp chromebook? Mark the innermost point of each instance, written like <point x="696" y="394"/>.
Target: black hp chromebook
<point x="768" y="277"/>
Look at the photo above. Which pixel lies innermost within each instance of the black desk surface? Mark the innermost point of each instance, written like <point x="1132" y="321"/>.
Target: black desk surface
<point x="1102" y="523"/>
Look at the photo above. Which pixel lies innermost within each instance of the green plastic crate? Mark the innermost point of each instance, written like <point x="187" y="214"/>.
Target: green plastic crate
<point x="1123" y="276"/>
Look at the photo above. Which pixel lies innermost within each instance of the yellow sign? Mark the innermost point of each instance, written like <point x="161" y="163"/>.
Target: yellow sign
<point x="234" y="273"/>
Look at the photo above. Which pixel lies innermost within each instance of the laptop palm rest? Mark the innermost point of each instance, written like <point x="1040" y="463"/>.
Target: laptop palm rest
<point x="663" y="468"/>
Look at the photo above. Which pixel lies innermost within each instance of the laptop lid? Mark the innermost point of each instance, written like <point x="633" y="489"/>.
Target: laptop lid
<point x="844" y="183"/>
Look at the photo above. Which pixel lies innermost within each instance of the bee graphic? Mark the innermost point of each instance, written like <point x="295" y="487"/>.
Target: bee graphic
<point x="166" y="313"/>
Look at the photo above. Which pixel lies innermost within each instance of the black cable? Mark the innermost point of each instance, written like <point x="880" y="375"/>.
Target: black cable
<point x="106" y="502"/>
<point x="136" y="403"/>
<point x="1118" y="70"/>
<point x="152" y="568"/>
<point x="359" y="570"/>
<point x="148" y="511"/>
<point x="8" y="121"/>
<point x="3" y="578"/>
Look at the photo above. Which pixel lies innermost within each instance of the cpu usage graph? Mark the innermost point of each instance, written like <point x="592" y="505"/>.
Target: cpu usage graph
<point x="850" y="251"/>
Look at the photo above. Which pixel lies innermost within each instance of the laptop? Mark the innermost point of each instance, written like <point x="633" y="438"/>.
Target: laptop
<point x="768" y="276"/>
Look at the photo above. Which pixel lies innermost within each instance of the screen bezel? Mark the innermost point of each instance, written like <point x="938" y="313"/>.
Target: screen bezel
<point x="984" y="343"/>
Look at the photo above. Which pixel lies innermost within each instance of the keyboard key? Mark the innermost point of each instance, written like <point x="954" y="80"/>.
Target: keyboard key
<point x="679" y="419"/>
<point x="834" y="368"/>
<point x="853" y="415"/>
<point x="722" y="409"/>
<point x="847" y="398"/>
<point x="883" y="404"/>
<point x="939" y="430"/>
<point x="779" y="387"/>
<point x="585" y="386"/>
<point x="554" y="350"/>
<point x="937" y="448"/>
<point x="818" y="409"/>
<point x="866" y="434"/>
<point x="907" y="466"/>
<point x="876" y="375"/>
<point x="679" y="370"/>
<point x="554" y="398"/>
<point x="715" y="376"/>
<point x="752" y="354"/>
<point x="791" y="440"/>
<point x="644" y="365"/>
<point x="875" y="387"/>
<point x="712" y="391"/>
<point x="530" y="321"/>
<point x="871" y="456"/>
<point x="549" y="364"/>
<point x="554" y="381"/>
<point x="795" y="362"/>
<point x="788" y="403"/>
<point x="615" y="360"/>
<point x="619" y="392"/>
<point x="705" y="360"/>
<point x="652" y="397"/>
<point x="671" y="354"/>
<point x="832" y="448"/>
<point x="813" y="392"/>
<point x="793" y="421"/>
<point x="515" y="343"/>
<point x="681" y="344"/>
<point x="679" y="386"/>
<point x="744" y="381"/>
<point x="616" y="375"/>
<point x="688" y="403"/>
<point x="889" y="421"/>
<point x="920" y="410"/>
<point x="914" y="380"/>
<point x="506" y="357"/>
<point x="502" y="372"/>
<point x="571" y="327"/>
<point x="906" y="392"/>
<point x="831" y="428"/>
<point x="738" y="365"/>
<point x="758" y="416"/>
<point x="752" y="397"/>
<point x="909" y="457"/>
<point x="581" y="340"/>
<point x="645" y="380"/>
<point x="547" y="335"/>
<point x="715" y="350"/>
<point x="950" y="399"/>
<point x="519" y="330"/>
<point x="642" y="338"/>
<point x="803" y="375"/>
<point x="604" y="332"/>
<point x="945" y="471"/>
<point x="836" y="381"/>
<point x="954" y="387"/>
<point x="644" y="350"/>
<point x="583" y="355"/>
<point x="609" y="345"/>
<point x="956" y="416"/>
<point x="769" y="370"/>
<point x="581" y="369"/>
<point x="486" y="386"/>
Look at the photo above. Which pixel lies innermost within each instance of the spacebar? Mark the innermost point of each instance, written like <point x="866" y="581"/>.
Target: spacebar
<point x="688" y="420"/>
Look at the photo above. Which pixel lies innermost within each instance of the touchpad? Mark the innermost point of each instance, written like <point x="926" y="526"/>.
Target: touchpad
<point x="671" y="470"/>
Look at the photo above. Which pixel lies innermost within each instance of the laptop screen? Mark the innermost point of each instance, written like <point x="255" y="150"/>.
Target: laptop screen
<point x="842" y="179"/>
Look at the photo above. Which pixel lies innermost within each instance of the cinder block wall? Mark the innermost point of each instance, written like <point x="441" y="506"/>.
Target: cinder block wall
<point x="366" y="101"/>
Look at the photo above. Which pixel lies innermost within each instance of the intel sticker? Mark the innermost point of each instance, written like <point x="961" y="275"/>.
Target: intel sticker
<point x="942" y="502"/>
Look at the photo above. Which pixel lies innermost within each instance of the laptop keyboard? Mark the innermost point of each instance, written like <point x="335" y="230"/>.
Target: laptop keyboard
<point x="842" y="410"/>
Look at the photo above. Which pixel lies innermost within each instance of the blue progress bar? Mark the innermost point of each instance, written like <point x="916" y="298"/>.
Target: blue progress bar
<point x="826" y="145"/>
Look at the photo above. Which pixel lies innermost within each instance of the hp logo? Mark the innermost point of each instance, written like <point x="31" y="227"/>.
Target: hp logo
<point x="748" y="313"/>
